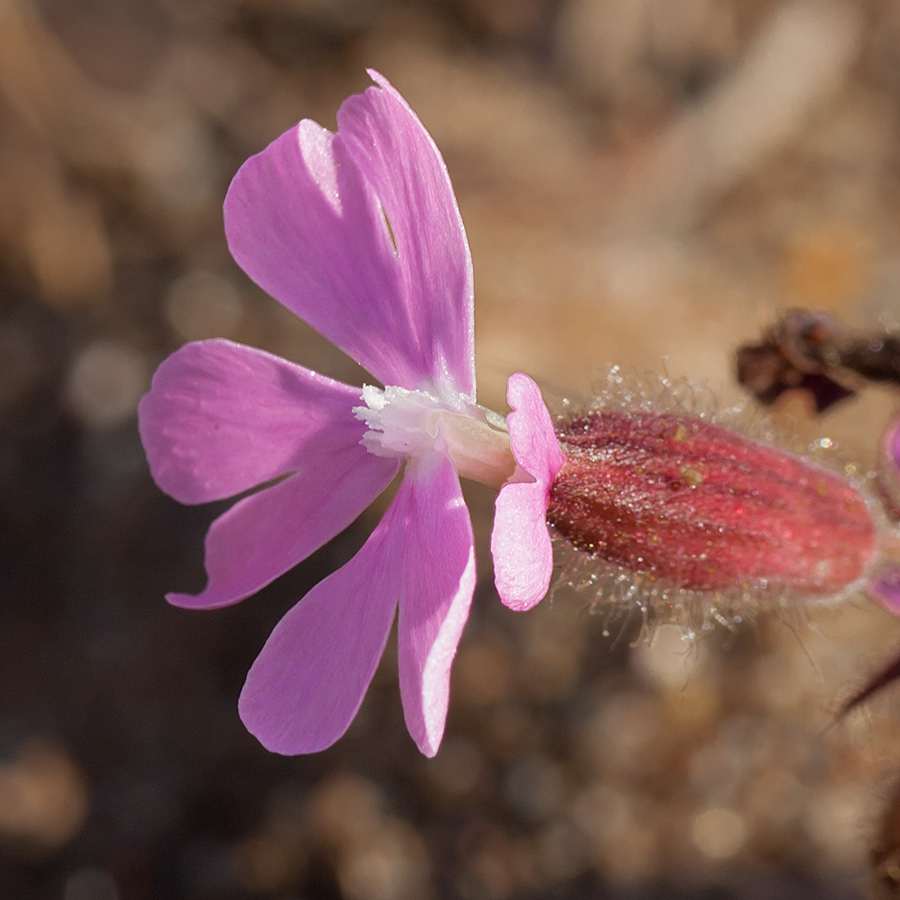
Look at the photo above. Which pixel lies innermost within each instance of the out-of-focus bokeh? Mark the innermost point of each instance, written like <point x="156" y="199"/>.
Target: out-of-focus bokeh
<point x="644" y="183"/>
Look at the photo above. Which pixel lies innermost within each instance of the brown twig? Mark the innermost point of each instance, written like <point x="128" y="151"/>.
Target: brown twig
<point x="818" y="354"/>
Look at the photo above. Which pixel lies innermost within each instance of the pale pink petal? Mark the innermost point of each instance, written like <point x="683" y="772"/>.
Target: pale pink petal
<point x="221" y="418"/>
<point x="307" y="684"/>
<point x="359" y="234"/>
<point x="438" y="580"/>
<point x="890" y="443"/>
<point x="520" y="542"/>
<point x="403" y="165"/>
<point x="889" y="470"/>
<point x="885" y="588"/>
<point x="267" y="533"/>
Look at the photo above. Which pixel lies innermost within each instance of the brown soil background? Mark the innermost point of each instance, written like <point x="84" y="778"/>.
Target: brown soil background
<point x="645" y="183"/>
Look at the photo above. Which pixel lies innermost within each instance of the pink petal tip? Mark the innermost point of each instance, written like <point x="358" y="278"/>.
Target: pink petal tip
<point x="884" y="587"/>
<point x="520" y="543"/>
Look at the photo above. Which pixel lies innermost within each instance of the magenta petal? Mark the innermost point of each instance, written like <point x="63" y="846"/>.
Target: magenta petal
<point x="890" y="444"/>
<point x="221" y="418"/>
<point x="438" y="583"/>
<point x="359" y="234"/>
<point x="308" y="682"/>
<point x="520" y="542"/>
<point x="267" y="533"/>
<point x="885" y="588"/>
<point x="403" y="165"/>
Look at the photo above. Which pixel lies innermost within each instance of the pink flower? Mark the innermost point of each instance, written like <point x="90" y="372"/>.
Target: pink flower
<point x="359" y="234"/>
<point x="885" y="586"/>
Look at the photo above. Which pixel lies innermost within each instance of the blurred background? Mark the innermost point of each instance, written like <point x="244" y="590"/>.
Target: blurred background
<point x="644" y="183"/>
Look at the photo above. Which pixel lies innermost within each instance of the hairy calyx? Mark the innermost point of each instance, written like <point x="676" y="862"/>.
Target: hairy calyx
<point x="705" y="508"/>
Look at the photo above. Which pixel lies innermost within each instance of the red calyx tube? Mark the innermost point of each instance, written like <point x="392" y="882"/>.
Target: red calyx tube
<point x="706" y="508"/>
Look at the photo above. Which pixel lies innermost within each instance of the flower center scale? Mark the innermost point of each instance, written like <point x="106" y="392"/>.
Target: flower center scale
<point x="404" y="423"/>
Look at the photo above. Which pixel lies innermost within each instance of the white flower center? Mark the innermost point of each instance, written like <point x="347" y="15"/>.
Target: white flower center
<point x="404" y="423"/>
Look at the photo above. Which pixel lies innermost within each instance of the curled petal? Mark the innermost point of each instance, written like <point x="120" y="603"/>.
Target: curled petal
<point x="221" y="418"/>
<point x="438" y="580"/>
<point x="359" y="234"/>
<point x="267" y="533"/>
<point x="520" y="542"/>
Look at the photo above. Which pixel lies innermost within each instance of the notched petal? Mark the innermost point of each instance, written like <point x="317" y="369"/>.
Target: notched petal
<point x="358" y="233"/>
<point x="222" y="418"/>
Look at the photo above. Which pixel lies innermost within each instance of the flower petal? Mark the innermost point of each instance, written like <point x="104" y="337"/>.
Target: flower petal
<point x="884" y="587"/>
<point x="308" y="682"/>
<point x="267" y="533"/>
<point x="520" y="541"/>
<point x="402" y="163"/>
<point x="359" y="234"/>
<point x="438" y="583"/>
<point x="890" y="443"/>
<point x="221" y="418"/>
